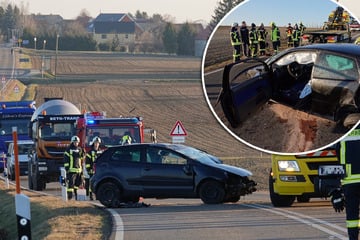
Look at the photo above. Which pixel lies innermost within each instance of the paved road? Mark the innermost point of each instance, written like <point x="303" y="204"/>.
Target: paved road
<point x="253" y="217"/>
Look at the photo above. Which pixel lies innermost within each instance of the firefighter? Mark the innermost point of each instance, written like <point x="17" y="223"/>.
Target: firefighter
<point x="244" y="32"/>
<point x="90" y="158"/>
<point x="302" y="30"/>
<point x="289" y="35"/>
<point x="126" y="139"/>
<point x="296" y="35"/>
<point x="262" y="34"/>
<point x="235" y="42"/>
<point x="253" y="39"/>
<point x="275" y="37"/>
<point x="348" y="195"/>
<point x="73" y="157"/>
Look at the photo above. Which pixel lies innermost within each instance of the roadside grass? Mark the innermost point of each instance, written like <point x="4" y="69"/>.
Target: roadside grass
<point x="52" y="218"/>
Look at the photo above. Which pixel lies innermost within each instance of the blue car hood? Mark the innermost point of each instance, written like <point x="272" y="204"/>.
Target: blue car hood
<point x="228" y="168"/>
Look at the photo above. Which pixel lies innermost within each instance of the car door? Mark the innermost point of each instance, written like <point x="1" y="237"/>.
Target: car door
<point x="124" y="163"/>
<point x="245" y="88"/>
<point x="334" y="83"/>
<point x="166" y="174"/>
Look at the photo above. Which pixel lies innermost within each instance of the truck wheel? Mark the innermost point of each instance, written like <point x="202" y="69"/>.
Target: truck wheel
<point x="38" y="183"/>
<point x="30" y="182"/>
<point x="11" y="174"/>
<point x="109" y="195"/>
<point x="212" y="192"/>
<point x="279" y="200"/>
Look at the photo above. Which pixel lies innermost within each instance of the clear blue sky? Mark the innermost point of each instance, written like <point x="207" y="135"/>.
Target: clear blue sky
<point x="312" y="13"/>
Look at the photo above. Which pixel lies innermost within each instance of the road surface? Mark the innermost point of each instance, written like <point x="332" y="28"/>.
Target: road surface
<point x="253" y="217"/>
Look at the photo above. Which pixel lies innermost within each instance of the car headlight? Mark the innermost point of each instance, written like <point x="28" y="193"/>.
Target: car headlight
<point x="288" y="166"/>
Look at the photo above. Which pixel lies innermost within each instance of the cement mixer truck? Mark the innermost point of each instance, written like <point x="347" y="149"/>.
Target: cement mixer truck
<point x="51" y="128"/>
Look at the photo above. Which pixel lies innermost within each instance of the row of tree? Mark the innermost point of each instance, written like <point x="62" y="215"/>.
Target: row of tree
<point x="16" y="23"/>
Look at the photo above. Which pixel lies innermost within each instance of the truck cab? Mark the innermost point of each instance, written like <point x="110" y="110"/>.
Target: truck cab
<point x="110" y="130"/>
<point x="13" y="114"/>
<point x="303" y="176"/>
<point x="51" y="128"/>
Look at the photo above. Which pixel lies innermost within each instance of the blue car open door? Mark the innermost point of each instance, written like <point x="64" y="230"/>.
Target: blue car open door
<point x="246" y="86"/>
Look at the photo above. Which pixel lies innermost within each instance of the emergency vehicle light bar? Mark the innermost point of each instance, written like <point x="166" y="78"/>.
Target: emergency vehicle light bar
<point x="133" y="120"/>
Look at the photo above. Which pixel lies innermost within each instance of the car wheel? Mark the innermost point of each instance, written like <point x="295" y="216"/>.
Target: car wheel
<point x="108" y="194"/>
<point x="212" y="192"/>
<point x="279" y="200"/>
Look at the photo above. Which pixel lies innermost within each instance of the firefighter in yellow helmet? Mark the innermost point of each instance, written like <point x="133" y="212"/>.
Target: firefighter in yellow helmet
<point x="73" y="157"/>
<point x="348" y="194"/>
<point x="235" y="42"/>
<point x="90" y="159"/>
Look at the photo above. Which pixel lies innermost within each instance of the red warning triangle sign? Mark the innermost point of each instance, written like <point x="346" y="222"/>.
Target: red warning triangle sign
<point x="178" y="129"/>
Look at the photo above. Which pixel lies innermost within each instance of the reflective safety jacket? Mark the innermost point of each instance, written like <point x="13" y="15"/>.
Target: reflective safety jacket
<point x="90" y="159"/>
<point x="253" y="36"/>
<point x="126" y="139"/>
<point x="275" y="34"/>
<point x="296" y="34"/>
<point x="262" y="34"/>
<point x="349" y="157"/>
<point x="235" y="37"/>
<point x="72" y="159"/>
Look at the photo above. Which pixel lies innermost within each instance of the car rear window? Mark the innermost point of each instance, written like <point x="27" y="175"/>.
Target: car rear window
<point x="330" y="66"/>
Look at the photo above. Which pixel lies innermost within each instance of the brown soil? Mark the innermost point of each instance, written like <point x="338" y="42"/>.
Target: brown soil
<point x="275" y="128"/>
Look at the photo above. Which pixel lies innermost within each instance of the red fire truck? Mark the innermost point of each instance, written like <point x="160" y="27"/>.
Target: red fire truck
<point x="111" y="130"/>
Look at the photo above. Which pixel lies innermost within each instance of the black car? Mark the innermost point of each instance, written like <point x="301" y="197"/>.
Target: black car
<point x="319" y="78"/>
<point x="125" y="173"/>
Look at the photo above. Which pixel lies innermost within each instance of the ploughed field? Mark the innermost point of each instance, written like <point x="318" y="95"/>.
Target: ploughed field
<point x="160" y="101"/>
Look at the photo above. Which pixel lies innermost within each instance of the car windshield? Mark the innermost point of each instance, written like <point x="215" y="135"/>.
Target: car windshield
<point x="300" y="57"/>
<point x="198" y="155"/>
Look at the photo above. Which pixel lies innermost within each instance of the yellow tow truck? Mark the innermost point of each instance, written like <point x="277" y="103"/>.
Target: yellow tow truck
<point x="302" y="177"/>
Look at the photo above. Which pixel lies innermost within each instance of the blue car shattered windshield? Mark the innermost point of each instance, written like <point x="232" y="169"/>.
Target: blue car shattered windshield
<point x="196" y="154"/>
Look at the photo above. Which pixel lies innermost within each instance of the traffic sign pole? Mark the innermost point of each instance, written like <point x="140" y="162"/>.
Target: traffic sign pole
<point x="22" y="202"/>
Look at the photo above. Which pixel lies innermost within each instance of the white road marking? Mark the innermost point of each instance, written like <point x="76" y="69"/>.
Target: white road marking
<point x="313" y="222"/>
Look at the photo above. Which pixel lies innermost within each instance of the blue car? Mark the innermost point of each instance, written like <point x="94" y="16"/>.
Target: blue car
<point x="125" y="173"/>
<point x="320" y="78"/>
